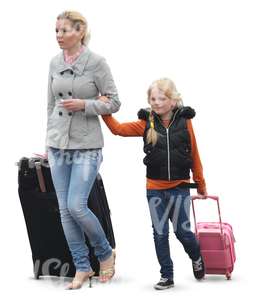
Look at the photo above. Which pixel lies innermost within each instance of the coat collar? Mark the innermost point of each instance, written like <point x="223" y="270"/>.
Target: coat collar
<point x="78" y="66"/>
<point x="184" y="111"/>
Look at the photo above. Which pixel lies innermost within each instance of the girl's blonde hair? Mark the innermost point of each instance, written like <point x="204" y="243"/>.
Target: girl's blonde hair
<point x="168" y="87"/>
<point x="78" y="22"/>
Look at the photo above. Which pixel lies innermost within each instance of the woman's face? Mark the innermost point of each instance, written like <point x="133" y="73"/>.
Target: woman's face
<point x="161" y="104"/>
<point x="67" y="36"/>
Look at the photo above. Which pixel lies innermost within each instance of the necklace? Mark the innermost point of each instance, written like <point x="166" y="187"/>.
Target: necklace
<point x="69" y="59"/>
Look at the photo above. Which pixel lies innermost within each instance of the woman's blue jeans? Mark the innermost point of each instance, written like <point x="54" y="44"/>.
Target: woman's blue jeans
<point x="174" y="205"/>
<point x="73" y="174"/>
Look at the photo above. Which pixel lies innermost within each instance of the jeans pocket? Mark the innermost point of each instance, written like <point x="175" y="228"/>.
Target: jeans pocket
<point x="54" y="150"/>
<point x="93" y="157"/>
<point x="98" y="157"/>
<point x="149" y="193"/>
<point x="95" y="154"/>
<point x="183" y="190"/>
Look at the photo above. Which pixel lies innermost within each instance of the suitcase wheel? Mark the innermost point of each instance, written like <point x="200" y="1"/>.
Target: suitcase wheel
<point x="36" y="275"/>
<point x="228" y="275"/>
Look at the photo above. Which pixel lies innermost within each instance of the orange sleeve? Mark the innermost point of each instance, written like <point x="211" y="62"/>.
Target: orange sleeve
<point x="197" y="169"/>
<point x="135" y="128"/>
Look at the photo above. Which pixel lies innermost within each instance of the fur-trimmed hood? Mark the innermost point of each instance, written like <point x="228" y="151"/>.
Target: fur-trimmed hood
<point x="185" y="112"/>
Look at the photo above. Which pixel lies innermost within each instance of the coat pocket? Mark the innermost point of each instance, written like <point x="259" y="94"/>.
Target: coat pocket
<point x="79" y="125"/>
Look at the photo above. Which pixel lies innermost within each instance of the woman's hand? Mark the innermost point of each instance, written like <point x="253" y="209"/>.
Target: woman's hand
<point x="79" y="104"/>
<point x="73" y="104"/>
<point x="44" y="155"/>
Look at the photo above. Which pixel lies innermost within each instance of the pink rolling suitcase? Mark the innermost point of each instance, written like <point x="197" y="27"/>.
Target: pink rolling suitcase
<point x="216" y="243"/>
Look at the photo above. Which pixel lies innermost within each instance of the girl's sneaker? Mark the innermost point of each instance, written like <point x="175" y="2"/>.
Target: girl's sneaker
<point x="164" y="284"/>
<point x="198" y="268"/>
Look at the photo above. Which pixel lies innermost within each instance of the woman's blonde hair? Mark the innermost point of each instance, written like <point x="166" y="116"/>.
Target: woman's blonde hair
<point x="168" y="87"/>
<point x="78" y="22"/>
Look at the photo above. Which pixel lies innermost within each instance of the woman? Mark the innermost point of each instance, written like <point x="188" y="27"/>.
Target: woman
<point x="171" y="153"/>
<point x="74" y="140"/>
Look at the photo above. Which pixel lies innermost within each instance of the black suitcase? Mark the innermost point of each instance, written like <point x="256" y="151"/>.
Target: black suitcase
<point x="50" y="252"/>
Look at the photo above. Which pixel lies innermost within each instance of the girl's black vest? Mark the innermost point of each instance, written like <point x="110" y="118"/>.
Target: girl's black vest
<point x="170" y="158"/>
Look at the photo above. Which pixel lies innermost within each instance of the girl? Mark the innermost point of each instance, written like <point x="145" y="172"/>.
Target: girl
<point x="171" y="152"/>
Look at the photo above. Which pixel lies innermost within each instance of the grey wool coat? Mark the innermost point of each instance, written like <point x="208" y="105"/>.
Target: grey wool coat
<point x="88" y="77"/>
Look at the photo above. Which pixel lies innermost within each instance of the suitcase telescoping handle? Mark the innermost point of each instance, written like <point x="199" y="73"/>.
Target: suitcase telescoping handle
<point x="216" y="198"/>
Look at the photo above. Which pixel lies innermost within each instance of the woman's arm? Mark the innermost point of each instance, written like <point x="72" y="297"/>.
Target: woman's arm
<point x="197" y="169"/>
<point x="50" y="96"/>
<point x="50" y="101"/>
<point x="106" y="86"/>
<point x="135" y="128"/>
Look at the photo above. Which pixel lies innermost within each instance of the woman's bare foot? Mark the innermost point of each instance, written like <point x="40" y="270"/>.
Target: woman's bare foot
<point x="107" y="268"/>
<point x="79" y="279"/>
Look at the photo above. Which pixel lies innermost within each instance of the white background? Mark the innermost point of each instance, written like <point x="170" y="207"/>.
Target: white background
<point x="211" y="50"/>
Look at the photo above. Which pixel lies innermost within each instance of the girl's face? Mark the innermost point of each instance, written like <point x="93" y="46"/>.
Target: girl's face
<point x="67" y="36"/>
<point x="161" y="104"/>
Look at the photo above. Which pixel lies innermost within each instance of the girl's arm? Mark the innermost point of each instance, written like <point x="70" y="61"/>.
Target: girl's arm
<point x="197" y="169"/>
<point x="135" y="128"/>
<point x="124" y="129"/>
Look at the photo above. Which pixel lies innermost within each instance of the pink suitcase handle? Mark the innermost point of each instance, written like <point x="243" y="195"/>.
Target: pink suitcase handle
<point x="198" y="197"/>
<point x="202" y="197"/>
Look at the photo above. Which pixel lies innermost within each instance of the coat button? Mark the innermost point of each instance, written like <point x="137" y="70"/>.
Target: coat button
<point x="60" y="113"/>
<point x="70" y="93"/>
<point x="60" y="94"/>
<point x="70" y="113"/>
<point x="71" y="72"/>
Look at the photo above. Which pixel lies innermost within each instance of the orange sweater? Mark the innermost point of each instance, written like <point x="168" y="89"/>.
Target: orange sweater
<point x="137" y="128"/>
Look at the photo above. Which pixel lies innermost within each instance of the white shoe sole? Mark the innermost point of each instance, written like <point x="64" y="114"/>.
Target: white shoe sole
<point x="160" y="288"/>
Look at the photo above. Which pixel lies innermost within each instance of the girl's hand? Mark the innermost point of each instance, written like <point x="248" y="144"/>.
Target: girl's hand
<point x="73" y="104"/>
<point x="202" y="194"/>
<point x="104" y="99"/>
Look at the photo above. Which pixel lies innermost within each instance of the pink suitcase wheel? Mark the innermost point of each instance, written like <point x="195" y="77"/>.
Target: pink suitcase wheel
<point x="228" y="275"/>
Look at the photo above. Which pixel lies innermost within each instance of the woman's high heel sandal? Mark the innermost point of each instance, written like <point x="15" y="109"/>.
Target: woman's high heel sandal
<point x="79" y="279"/>
<point x="107" y="268"/>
